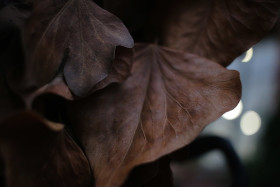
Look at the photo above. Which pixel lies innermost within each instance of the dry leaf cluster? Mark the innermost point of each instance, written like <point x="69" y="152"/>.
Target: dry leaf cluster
<point x="81" y="104"/>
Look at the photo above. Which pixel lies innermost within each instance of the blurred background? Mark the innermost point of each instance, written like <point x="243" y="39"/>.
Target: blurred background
<point x="253" y="127"/>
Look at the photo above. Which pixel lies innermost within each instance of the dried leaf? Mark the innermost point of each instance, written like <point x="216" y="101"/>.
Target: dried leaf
<point x="165" y="103"/>
<point x="75" y="37"/>
<point x="120" y="69"/>
<point x="119" y="72"/>
<point x="40" y="153"/>
<point x="219" y="30"/>
<point x="12" y="19"/>
<point x="57" y="87"/>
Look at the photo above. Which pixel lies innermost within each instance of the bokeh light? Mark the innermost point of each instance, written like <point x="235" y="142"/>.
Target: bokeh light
<point x="233" y="114"/>
<point x="250" y="123"/>
<point x="248" y="56"/>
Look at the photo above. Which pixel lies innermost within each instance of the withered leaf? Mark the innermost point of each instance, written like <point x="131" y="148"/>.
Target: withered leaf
<point x="219" y="30"/>
<point x="165" y="103"/>
<point x="40" y="153"/>
<point x="119" y="71"/>
<point x="57" y="87"/>
<point x="12" y="19"/>
<point x="75" y="37"/>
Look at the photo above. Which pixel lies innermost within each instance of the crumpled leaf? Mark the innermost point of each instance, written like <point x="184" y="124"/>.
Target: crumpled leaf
<point x="75" y="37"/>
<point x="40" y="153"/>
<point x="12" y="19"/>
<point x="165" y="103"/>
<point x="120" y="70"/>
<point x="219" y="30"/>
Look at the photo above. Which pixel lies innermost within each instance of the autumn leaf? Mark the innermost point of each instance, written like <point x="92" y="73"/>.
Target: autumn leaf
<point x="219" y="30"/>
<point x="40" y="153"/>
<point x="73" y="37"/>
<point x="165" y="103"/>
<point x="168" y="95"/>
<point x="12" y="20"/>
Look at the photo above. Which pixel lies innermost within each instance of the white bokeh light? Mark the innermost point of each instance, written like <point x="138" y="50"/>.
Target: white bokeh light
<point x="233" y="114"/>
<point x="250" y="123"/>
<point x="248" y="56"/>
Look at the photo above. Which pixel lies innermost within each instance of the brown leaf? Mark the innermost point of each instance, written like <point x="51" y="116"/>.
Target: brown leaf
<point x="40" y="153"/>
<point x="120" y="69"/>
<point x="219" y="30"/>
<point x="56" y="87"/>
<point x="75" y="37"/>
<point x="119" y="72"/>
<point x="165" y="103"/>
<point x="12" y="19"/>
